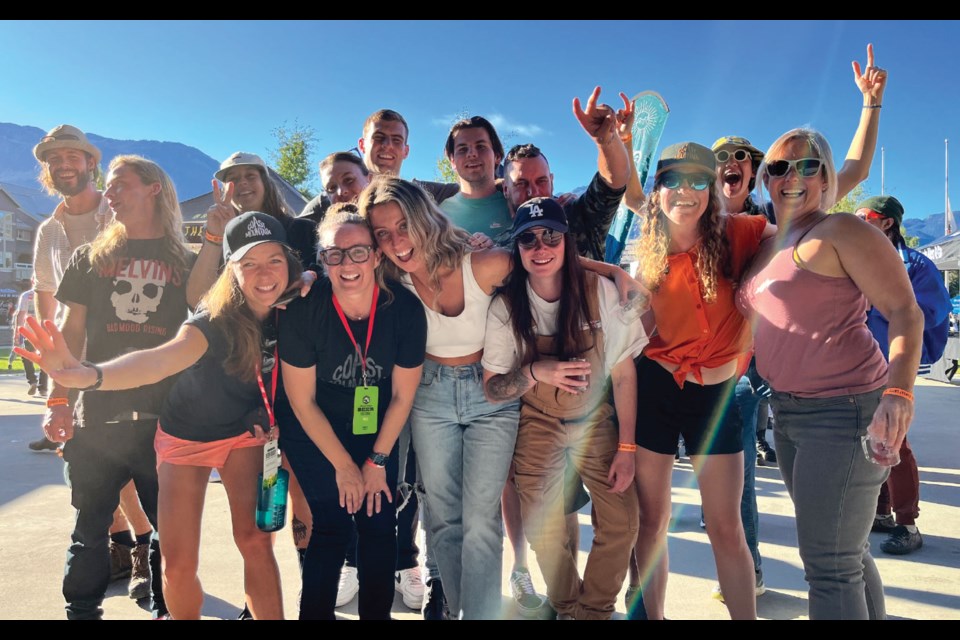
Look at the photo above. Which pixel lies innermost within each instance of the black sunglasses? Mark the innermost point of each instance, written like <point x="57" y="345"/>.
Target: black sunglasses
<point x="549" y="237"/>
<point x="805" y="167"/>
<point x="359" y="253"/>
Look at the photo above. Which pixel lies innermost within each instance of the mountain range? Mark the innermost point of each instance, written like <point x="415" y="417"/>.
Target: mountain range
<point x="190" y="169"/>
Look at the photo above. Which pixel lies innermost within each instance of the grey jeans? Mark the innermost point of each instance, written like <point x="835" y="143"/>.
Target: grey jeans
<point x="834" y="489"/>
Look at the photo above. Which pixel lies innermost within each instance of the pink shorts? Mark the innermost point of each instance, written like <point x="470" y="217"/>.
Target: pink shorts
<point x="173" y="450"/>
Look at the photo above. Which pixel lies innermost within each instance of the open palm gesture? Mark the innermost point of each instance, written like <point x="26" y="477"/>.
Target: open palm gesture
<point x="53" y="355"/>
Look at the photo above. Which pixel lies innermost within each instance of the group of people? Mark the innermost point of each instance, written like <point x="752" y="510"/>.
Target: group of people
<point x="463" y="348"/>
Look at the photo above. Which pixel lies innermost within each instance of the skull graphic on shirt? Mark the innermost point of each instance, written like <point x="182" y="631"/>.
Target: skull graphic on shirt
<point x="134" y="298"/>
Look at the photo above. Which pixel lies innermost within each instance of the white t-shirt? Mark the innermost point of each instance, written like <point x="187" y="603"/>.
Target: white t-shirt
<point x="501" y="351"/>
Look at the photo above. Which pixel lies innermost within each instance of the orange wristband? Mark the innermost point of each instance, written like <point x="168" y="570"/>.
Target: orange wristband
<point x="212" y="239"/>
<point x="57" y="402"/>
<point x="629" y="448"/>
<point x="900" y="393"/>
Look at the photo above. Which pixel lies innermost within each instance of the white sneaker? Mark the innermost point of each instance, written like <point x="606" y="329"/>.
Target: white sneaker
<point x="410" y="584"/>
<point x="348" y="587"/>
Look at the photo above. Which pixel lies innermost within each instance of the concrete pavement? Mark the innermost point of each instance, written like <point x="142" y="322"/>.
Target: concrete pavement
<point x="36" y="519"/>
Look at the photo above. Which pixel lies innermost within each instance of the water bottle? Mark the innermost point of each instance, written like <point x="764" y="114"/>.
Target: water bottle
<point x="272" y="501"/>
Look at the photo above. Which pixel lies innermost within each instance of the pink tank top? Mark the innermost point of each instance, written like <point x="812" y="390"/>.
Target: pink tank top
<point x="810" y="333"/>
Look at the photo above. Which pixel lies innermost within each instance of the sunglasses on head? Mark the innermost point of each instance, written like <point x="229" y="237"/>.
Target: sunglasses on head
<point x="867" y="214"/>
<point x="359" y="253"/>
<point x="696" y="181"/>
<point x="549" y="237"/>
<point x="805" y="167"/>
<point x="739" y="155"/>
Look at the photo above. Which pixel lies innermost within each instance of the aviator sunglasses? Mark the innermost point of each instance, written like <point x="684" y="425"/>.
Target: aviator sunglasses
<point x="549" y="237"/>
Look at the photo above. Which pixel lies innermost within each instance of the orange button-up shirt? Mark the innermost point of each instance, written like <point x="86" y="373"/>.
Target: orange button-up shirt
<point x="691" y="333"/>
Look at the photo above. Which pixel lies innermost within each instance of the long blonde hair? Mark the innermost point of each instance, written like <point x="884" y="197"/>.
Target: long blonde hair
<point x="242" y="330"/>
<point x="653" y="246"/>
<point x="441" y="244"/>
<point x="108" y="245"/>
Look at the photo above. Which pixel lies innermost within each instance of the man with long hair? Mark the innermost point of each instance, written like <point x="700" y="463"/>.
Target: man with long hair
<point x="125" y="291"/>
<point x="70" y="168"/>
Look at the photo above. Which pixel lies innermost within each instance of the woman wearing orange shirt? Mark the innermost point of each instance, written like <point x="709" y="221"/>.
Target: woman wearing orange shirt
<point x="691" y="256"/>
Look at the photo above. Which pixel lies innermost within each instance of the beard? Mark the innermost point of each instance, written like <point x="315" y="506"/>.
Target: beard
<point x="67" y="189"/>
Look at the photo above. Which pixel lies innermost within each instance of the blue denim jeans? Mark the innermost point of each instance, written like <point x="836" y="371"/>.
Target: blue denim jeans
<point x="100" y="460"/>
<point x="749" y="402"/>
<point x="464" y="447"/>
<point x="834" y="489"/>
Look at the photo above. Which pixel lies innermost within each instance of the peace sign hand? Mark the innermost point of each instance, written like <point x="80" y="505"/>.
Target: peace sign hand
<point x="221" y="211"/>
<point x="872" y="81"/>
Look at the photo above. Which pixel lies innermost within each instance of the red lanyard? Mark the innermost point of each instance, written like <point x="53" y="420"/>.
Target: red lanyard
<point x="273" y="381"/>
<point x="343" y="320"/>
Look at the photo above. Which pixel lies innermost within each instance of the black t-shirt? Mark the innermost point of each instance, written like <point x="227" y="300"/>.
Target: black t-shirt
<point x="302" y="238"/>
<point x="207" y="404"/>
<point x="137" y="304"/>
<point x="311" y="334"/>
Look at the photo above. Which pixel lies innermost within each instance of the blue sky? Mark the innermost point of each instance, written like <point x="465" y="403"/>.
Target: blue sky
<point x="223" y="86"/>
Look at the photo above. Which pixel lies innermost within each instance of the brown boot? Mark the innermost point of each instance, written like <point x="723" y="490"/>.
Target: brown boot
<point x="140" y="576"/>
<point x="120" y="562"/>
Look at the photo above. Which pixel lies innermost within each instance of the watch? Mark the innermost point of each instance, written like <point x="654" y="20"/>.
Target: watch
<point x="95" y="385"/>
<point x="378" y="459"/>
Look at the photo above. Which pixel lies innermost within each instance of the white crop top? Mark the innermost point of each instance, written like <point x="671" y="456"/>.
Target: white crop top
<point x="456" y="336"/>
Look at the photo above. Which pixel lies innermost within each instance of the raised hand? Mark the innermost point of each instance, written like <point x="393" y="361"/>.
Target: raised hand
<point x="221" y="211"/>
<point x="872" y="81"/>
<point x="625" y="118"/>
<point x="53" y="355"/>
<point x="598" y="120"/>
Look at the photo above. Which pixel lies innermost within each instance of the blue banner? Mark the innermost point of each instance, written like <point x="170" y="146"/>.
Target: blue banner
<point x="650" y="118"/>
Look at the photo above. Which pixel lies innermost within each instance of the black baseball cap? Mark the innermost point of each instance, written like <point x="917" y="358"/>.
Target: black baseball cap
<point x="539" y="212"/>
<point x="247" y="231"/>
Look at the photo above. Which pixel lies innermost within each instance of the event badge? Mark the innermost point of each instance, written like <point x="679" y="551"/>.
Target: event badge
<point x="365" y="403"/>
<point x="271" y="462"/>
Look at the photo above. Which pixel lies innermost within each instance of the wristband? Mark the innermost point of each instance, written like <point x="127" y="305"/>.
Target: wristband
<point x="95" y="385"/>
<point x="531" y="374"/>
<point x="377" y="459"/>
<point x="57" y="402"/>
<point x="900" y="393"/>
<point x="629" y="448"/>
<point x="872" y="106"/>
<point x="627" y="139"/>
<point x="212" y="239"/>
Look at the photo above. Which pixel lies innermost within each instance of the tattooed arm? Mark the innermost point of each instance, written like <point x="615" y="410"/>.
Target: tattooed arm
<point x="504" y="387"/>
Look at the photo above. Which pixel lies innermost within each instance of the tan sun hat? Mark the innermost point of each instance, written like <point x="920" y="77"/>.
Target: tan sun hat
<point x="65" y="137"/>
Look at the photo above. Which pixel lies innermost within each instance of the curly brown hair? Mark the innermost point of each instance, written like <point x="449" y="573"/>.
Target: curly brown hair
<point x="653" y="246"/>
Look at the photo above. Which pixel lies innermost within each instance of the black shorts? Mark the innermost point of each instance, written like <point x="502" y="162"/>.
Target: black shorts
<point x="707" y="416"/>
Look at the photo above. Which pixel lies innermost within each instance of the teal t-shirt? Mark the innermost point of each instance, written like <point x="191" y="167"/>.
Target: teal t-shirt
<point x="489" y="215"/>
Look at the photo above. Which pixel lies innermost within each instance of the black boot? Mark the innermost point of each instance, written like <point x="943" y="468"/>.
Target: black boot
<point x="435" y="604"/>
